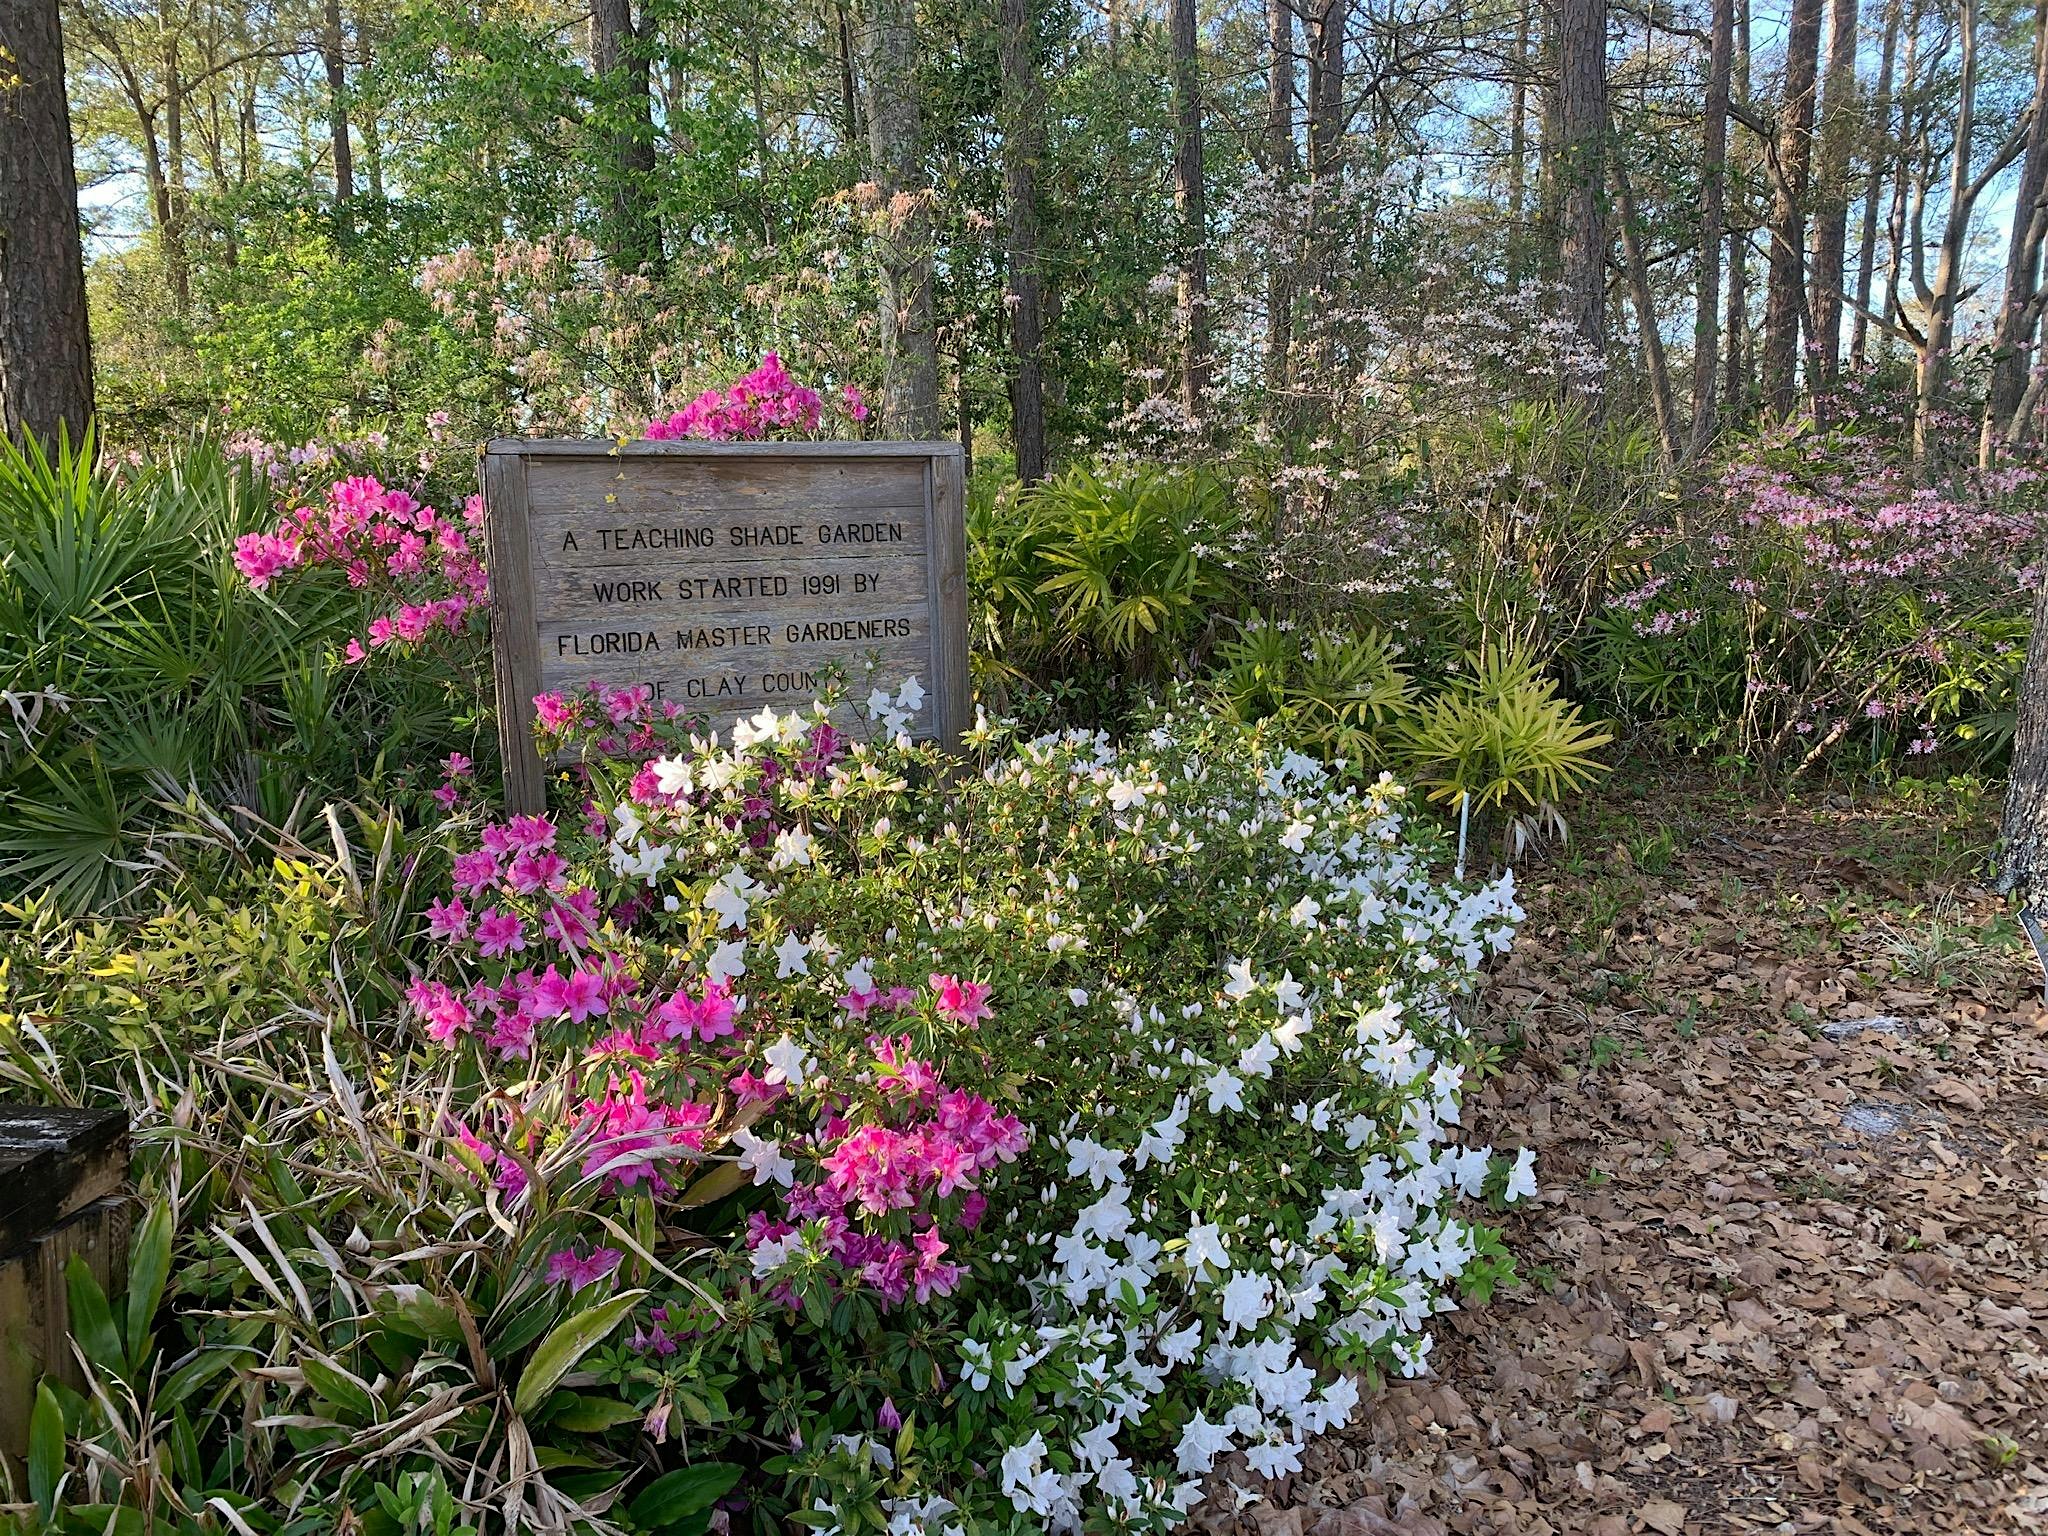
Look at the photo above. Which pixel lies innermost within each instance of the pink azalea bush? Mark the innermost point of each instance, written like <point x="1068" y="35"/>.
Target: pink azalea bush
<point x="764" y="402"/>
<point x="423" y="567"/>
<point x="1004" y="1147"/>
<point x="1831" y="590"/>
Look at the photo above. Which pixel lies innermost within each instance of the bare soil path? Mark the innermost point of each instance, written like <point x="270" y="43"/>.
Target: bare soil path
<point x="1789" y="1271"/>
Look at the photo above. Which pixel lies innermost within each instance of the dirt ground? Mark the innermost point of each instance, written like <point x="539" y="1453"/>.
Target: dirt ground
<point x="1789" y="1270"/>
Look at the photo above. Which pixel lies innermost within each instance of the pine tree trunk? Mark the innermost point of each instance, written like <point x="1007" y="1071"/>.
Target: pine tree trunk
<point x="1021" y="148"/>
<point x="1582" y="255"/>
<point x="1518" y="146"/>
<point x="909" y="334"/>
<point x="45" y="348"/>
<point x="333" y="55"/>
<point x="1190" y="197"/>
<point x="1930" y="369"/>
<point x="1785" y="293"/>
<point x="1839" y="111"/>
<point x="1325" y="162"/>
<point x="2023" y="861"/>
<point x="1735" y="345"/>
<point x="1654" y="366"/>
<point x="1706" y="330"/>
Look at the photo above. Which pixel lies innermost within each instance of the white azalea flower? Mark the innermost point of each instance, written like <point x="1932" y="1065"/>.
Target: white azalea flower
<point x="1224" y="1090"/>
<point x="1522" y="1179"/>
<point x="764" y="1159"/>
<point x="1200" y="1444"/>
<point x="792" y="957"/>
<point x="789" y="1063"/>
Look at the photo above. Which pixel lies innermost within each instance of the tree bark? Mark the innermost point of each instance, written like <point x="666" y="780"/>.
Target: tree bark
<point x="45" y="347"/>
<point x="1654" y="365"/>
<point x="1930" y="369"/>
<point x="1022" y="141"/>
<point x="1280" y="176"/>
<point x="2023" y="832"/>
<point x="909" y="333"/>
<point x="1735" y="391"/>
<point x="1518" y="146"/>
<point x="1785" y="293"/>
<point x="1582" y="255"/>
<point x="1873" y="186"/>
<point x="624" y="80"/>
<point x="1910" y="113"/>
<point x="1839" y="111"/>
<point x="334" y="56"/>
<point x="1706" y="329"/>
<point x="2026" y="287"/>
<point x="1191" y="201"/>
<point x="1327" y="24"/>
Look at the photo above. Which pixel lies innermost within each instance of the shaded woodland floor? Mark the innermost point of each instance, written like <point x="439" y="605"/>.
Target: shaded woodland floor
<point x="1786" y="1070"/>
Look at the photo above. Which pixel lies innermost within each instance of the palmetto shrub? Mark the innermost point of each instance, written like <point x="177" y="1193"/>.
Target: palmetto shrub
<point x="730" y="1142"/>
<point x="1103" y="580"/>
<point x="142" y="679"/>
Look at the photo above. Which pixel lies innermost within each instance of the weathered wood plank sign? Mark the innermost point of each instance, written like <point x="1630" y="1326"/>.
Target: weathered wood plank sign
<point x="725" y="576"/>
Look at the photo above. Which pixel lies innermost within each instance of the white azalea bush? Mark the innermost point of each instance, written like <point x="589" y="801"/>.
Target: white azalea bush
<point x="996" y="1147"/>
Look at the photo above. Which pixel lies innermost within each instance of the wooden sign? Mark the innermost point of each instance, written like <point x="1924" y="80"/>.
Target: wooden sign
<point x="726" y="577"/>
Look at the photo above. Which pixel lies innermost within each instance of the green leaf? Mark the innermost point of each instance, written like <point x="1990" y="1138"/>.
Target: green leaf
<point x="92" y="1323"/>
<point x="340" y="1388"/>
<point x="45" y="1450"/>
<point x="103" y="1520"/>
<point x="149" y="1267"/>
<point x="594" y="1415"/>
<point x="560" y="1350"/>
<point x="676" y="1495"/>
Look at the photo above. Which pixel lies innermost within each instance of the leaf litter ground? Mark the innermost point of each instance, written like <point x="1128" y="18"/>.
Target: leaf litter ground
<point x="1786" y="1070"/>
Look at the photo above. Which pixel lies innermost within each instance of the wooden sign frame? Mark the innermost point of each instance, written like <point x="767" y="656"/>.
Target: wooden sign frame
<point x="505" y="471"/>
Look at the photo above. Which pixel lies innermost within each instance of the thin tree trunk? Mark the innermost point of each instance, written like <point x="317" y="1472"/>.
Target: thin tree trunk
<point x="624" y="78"/>
<point x="1902" y="173"/>
<point x="1785" y="294"/>
<point x="2019" y="316"/>
<point x="1582" y="256"/>
<point x="1839" y="111"/>
<point x="909" y="333"/>
<point x="1021" y="148"/>
<point x="1873" y="186"/>
<point x="1735" y="393"/>
<point x="1518" y="145"/>
<point x="1661" y="398"/>
<point x="1706" y="330"/>
<point x="1191" y="202"/>
<point x="849" y="98"/>
<point x="1325" y="166"/>
<point x="45" y="347"/>
<point x="1280" y="175"/>
<point x="1930" y="371"/>
<point x="334" y="56"/>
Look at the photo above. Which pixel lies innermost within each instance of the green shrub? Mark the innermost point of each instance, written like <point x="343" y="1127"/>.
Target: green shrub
<point x="143" y="678"/>
<point x="1332" y="690"/>
<point x="1501" y="738"/>
<point x="1113" y="582"/>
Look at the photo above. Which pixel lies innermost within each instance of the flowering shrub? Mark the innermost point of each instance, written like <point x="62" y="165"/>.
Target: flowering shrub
<point x="756" y="405"/>
<point x="386" y="542"/>
<point x="1830" y="591"/>
<point x="1040" y="1132"/>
